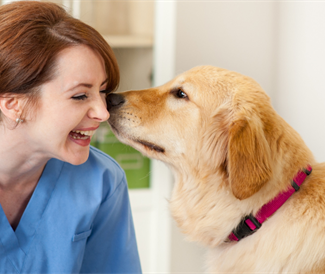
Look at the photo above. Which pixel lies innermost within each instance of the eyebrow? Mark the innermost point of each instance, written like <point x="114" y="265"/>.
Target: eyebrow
<point x="86" y="85"/>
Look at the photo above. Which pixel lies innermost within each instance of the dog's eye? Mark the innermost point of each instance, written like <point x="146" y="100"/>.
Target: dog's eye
<point x="181" y="94"/>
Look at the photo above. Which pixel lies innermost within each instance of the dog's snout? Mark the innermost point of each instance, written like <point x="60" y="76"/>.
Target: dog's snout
<point x="114" y="100"/>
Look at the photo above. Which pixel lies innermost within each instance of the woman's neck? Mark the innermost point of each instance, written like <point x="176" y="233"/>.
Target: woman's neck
<point x="19" y="163"/>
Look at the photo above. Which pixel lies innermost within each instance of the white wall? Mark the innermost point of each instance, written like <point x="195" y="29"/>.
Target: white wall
<point x="300" y="93"/>
<point x="236" y="35"/>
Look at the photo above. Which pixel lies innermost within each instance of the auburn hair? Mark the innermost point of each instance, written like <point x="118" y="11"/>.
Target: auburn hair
<point x="32" y="33"/>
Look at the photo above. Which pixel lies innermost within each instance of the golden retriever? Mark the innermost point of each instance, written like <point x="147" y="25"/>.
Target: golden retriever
<point x="230" y="154"/>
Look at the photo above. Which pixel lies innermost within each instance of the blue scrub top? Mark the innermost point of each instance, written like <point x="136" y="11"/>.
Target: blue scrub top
<point x="78" y="220"/>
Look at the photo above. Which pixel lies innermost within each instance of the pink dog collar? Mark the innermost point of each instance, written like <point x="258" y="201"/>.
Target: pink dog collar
<point x="251" y="224"/>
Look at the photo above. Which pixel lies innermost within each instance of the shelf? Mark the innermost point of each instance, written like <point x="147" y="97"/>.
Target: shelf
<point x="128" y="41"/>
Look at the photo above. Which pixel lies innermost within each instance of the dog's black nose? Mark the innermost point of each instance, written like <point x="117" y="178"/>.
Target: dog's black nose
<point x="114" y="100"/>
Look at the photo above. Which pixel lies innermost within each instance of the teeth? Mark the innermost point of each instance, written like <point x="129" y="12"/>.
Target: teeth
<point x="82" y="138"/>
<point x="86" y="133"/>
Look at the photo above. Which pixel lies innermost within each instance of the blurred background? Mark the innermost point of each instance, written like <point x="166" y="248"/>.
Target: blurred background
<point x="280" y="44"/>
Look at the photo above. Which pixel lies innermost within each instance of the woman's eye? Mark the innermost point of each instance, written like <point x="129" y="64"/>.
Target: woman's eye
<point x="181" y="94"/>
<point x="80" y="97"/>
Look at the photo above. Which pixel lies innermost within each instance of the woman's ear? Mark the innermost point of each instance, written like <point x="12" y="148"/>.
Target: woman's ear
<point x="248" y="157"/>
<point x="11" y="106"/>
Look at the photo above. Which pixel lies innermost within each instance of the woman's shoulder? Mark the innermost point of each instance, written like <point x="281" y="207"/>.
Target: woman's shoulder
<point x="101" y="163"/>
<point x="99" y="172"/>
<point x="102" y="160"/>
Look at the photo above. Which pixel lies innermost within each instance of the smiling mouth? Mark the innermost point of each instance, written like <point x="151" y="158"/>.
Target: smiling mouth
<point x="81" y="135"/>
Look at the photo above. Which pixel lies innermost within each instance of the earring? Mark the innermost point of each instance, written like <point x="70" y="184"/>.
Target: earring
<point x="18" y="120"/>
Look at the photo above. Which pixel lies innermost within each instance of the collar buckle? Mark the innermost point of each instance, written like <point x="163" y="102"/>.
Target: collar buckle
<point x="247" y="226"/>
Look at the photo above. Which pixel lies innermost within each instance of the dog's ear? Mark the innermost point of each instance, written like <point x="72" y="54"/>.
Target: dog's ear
<point x="248" y="157"/>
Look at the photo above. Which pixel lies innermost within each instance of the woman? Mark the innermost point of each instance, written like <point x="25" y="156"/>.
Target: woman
<point x="64" y="207"/>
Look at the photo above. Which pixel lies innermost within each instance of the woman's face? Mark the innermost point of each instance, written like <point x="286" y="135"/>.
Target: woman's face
<point x="71" y="107"/>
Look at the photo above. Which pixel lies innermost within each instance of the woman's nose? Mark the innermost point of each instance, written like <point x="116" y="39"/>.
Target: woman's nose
<point x="99" y="111"/>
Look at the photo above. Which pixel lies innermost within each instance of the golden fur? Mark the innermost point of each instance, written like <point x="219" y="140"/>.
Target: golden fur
<point x="230" y="153"/>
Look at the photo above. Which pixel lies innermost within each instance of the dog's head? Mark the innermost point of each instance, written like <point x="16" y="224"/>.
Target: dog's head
<point x="205" y="119"/>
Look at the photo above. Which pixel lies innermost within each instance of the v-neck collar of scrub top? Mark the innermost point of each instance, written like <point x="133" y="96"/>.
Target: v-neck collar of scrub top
<point x="15" y="244"/>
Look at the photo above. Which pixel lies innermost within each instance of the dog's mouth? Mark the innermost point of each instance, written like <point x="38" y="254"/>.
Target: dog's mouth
<point x="146" y="144"/>
<point x="151" y="146"/>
